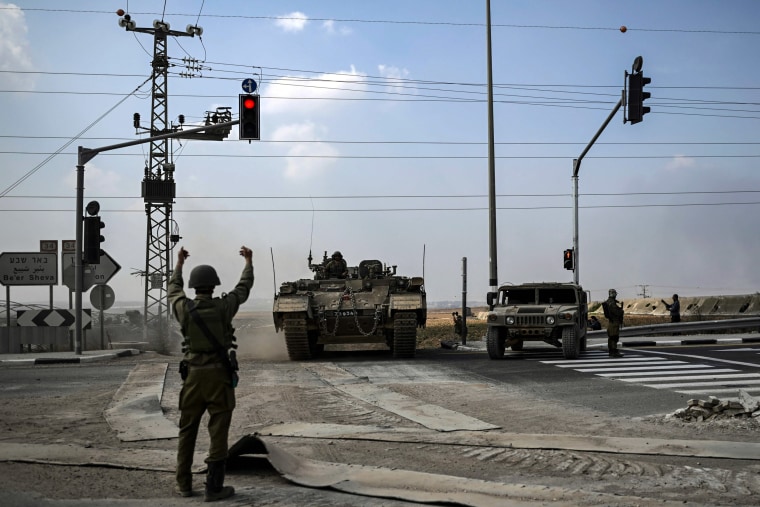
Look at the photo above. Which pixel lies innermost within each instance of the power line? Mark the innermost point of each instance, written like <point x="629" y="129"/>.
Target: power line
<point x="406" y="196"/>
<point x="406" y="157"/>
<point x="67" y="144"/>
<point x="384" y="210"/>
<point x="464" y="143"/>
<point x="406" y="22"/>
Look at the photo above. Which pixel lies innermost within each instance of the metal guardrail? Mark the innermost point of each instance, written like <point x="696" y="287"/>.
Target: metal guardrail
<point x="683" y="327"/>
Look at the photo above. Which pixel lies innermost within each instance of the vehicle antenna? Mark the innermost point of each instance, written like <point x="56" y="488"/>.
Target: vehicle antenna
<point x="274" y="275"/>
<point x="423" y="261"/>
<point x="311" y="237"/>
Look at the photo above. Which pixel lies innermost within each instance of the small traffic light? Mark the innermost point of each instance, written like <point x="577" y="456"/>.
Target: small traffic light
<point x="569" y="259"/>
<point x="249" y="117"/>
<point x="637" y="96"/>
<point x="92" y="240"/>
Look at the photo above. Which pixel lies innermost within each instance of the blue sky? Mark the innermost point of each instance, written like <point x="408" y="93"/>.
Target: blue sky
<point x="374" y="132"/>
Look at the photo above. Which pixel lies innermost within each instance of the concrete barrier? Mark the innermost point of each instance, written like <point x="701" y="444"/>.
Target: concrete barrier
<point x="697" y="306"/>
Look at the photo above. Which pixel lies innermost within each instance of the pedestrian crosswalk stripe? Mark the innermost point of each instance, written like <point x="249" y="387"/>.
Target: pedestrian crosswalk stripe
<point x="659" y="373"/>
<point x="693" y="377"/>
<point x="720" y="383"/>
<point x="702" y="369"/>
<point x="646" y="368"/>
<point x="605" y="357"/>
<point x="617" y="364"/>
<point x="721" y="392"/>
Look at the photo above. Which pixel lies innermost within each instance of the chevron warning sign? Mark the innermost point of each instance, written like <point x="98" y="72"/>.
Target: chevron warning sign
<point x="52" y="318"/>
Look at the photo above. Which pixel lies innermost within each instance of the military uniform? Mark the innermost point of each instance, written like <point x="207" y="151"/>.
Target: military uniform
<point x="674" y="309"/>
<point x="336" y="267"/>
<point x="208" y="386"/>
<point x="614" y="313"/>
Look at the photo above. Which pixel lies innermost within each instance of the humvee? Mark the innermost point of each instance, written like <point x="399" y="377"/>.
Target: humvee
<point x="554" y="313"/>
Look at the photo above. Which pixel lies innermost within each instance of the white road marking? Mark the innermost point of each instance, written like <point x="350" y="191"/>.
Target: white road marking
<point x="646" y="369"/>
<point x="694" y="377"/>
<point x="704" y="368"/>
<point x="705" y="384"/>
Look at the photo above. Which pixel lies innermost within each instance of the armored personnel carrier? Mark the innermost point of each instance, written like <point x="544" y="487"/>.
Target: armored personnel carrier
<point x="368" y="303"/>
<point x="555" y="313"/>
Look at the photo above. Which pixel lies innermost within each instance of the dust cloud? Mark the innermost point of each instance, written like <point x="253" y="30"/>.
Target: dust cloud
<point x="258" y="340"/>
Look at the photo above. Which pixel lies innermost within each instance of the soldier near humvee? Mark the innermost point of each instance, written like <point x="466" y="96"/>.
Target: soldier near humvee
<point x="614" y="314"/>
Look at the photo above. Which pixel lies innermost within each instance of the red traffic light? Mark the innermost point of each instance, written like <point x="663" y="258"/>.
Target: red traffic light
<point x="250" y="113"/>
<point x="568" y="259"/>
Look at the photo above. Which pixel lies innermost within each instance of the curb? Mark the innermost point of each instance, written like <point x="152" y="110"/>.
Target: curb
<point x="455" y="345"/>
<point x="70" y="360"/>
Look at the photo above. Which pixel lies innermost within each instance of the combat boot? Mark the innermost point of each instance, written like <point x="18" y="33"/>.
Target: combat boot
<point x="215" y="488"/>
<point x="612" y="347"/>
<point x="183" y="492"/>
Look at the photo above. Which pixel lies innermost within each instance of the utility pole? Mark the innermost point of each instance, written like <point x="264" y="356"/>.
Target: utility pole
<point x="158" y="186"/>
<point x="643" y="292"/>
<point x="493" y="278"/>
<point x="638" y="62"/>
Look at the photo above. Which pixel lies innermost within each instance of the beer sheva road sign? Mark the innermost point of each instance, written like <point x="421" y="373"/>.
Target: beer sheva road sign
<point x="28" y="268"/>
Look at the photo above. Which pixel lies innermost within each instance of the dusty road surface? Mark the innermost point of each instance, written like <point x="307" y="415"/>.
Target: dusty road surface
<point x="358" y="429"/>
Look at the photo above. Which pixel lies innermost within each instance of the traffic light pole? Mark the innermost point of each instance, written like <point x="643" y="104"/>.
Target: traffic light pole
<point x="84" y="155"/>
<point x="576" y="169"/>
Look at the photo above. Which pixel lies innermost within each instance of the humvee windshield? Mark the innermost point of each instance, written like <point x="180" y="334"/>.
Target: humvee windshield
<point x="541" y="296"/>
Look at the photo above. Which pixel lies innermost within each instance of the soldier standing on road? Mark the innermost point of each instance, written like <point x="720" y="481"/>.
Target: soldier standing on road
<point x="614" y="314"/>
<point x="336" y="267"/>
<point x="457" y="323"/>
<point x="207" y="379"/>
<point x="674" y="309"/>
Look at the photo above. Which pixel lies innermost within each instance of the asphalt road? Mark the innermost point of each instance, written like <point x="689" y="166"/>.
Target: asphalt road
<point x="653" y="380"/>
<point x="647" y="380"/>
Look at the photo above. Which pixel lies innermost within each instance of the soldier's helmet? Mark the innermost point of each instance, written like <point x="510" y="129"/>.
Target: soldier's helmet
<point x="203" y="276"/>
<point x="613" y="293"/>
<point x="337" y="255"/>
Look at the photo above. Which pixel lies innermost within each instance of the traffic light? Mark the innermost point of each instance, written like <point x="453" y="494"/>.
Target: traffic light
<point x="92" y="240"/>
<point x="637" y="96"/>
<point x="569" y="259"/>
<point x="249" y="117"/>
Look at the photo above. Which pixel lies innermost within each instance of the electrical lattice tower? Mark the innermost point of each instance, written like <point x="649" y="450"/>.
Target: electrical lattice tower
<point x="158" y="187"/>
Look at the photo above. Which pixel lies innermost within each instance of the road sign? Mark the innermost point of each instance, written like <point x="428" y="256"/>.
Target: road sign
<point x="68" y="245"/>
<point x="249" y="85"/>
<point x="49" y="245"/>
<point x="28" y="268"/>
<point x="102" y="297"/>
<point x="94" y="274"/>
<point x="52" y="318"/>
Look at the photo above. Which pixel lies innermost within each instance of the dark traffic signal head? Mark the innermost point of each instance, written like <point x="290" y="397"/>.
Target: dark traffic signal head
<point x="249" y="117"/>
<point x="93" y="240"/>
<point x="637" y="96"/>
<point x="568" y="259"/>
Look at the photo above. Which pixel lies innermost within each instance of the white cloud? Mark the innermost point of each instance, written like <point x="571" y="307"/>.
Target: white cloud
<point x="293" y="22"/>
<point x="298" y="168"/>
<point x="14" y="46"/>
<point x="396" y="78"/>
<point x="329" y="27"/>
<point x="680" y="162"/>
<point x="98" y="181"/>
<point x="301" y="94"/>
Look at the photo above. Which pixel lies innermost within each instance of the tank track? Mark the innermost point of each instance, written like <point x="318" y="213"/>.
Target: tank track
<point x="404" y="335"/>
<point x="297" y="339"/>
